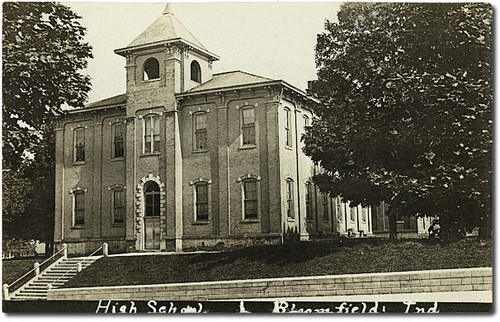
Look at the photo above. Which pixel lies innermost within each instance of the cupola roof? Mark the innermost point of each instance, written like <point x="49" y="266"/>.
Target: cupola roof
<point x="166" y="29"/>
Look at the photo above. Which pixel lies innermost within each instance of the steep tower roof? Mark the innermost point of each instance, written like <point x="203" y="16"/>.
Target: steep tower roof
<point x="166" y="29"/>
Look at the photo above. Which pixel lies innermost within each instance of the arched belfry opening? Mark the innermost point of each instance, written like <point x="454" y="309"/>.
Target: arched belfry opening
<point x="195" y="71"/>
<point x="151" y="69"/>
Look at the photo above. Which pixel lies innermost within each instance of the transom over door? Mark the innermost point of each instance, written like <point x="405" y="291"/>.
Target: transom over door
<point x="152" y="215"/>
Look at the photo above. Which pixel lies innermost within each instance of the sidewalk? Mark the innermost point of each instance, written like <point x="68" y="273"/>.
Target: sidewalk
<point x="471" y="297"/>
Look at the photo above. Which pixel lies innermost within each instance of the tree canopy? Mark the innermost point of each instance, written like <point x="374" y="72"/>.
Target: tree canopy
<point x="406" y="115"/>
<point x="44" y="55"/>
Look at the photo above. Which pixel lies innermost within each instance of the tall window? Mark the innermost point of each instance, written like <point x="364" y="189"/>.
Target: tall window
<point x="201" y="201"/>
<point x="195" y="71"/>
<point x="288" y="123"/>
<point x="364" y="214"/>
<point x="325" y="206"/>
<point x="353" y="213"/>
<point x="118" y="140"/>
<point x="340" y="216"/>
<point x="200" y="131"/>
<point x="79" y="144"/>
<point x="152" y="199"/>
<point x="118" y="206"/>
<point x="306" y="121"/>
<point x="79" y="208"/>
<point x="289" y="198"/>
<point x="151" y="69"/>
<point x="152" y="134"/>
<point x="248" y="125"/>
<point x="250" y="199"/>
<point x="308" y="201"/>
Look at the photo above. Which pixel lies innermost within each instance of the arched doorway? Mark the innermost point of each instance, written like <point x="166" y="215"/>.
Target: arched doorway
<point x="152" y="227"/>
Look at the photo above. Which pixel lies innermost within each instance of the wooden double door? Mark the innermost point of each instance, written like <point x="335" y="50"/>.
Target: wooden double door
<point x="152" y="222"/>
<point x="152" y="232"/>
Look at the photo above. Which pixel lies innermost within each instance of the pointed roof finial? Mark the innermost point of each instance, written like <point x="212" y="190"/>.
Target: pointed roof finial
<point x="167" y="10"/>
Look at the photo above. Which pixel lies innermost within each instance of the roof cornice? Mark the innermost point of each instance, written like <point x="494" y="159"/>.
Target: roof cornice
<point x="94" y="109"/>
<point x="246" y="86"/>
<point x="123" y="51"/>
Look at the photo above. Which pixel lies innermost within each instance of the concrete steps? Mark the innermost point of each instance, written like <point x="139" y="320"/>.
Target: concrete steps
<point x="53" y="277"/>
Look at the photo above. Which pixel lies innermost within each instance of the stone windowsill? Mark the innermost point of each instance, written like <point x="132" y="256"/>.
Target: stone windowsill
<point x="201" y="223"/>
<point x="247" y="147"/>
<point x="250" y="221"/>
<point x="199" y="151"/>
<point x="151" y="80"/>
<point x="145" y="155"/>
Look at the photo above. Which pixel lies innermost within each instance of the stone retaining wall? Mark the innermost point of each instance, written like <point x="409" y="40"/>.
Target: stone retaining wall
<point x="450" y="280"/>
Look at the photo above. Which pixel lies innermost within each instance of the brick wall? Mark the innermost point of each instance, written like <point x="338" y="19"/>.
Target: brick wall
<point x="451" y="280"/>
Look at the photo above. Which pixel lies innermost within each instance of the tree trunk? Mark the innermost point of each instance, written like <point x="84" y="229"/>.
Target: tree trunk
<point x="485" y="228"/>
<point x="393" y="226"/>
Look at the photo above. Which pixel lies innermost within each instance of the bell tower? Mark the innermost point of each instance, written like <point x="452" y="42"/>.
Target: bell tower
<point x="164" y="60"/>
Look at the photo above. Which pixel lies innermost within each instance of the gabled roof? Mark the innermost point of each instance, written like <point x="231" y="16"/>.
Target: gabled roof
<point x="111" y="102"/>
<point x="220" y="82"/>
<point x="238" y="79"/>
<point x="115" y="100"/>
<point x="230" y="79"/>
<point x="166" y="29"/>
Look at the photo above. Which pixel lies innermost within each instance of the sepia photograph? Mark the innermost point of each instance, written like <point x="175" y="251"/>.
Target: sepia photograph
<point x="247" y="157"/>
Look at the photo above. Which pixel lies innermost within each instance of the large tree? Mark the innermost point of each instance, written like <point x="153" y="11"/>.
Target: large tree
<point x="406" y="117"/>
<point x="44" y="57"/>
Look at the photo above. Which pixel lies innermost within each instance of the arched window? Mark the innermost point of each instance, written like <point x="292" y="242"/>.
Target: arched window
<point x="202" y="200"/>
<point x="250" y="206"/>
<point x="326" y="215"/>
<point x="79" y="144"/>
<point x="151" y="142"/>
<point x="78" y="208"/>
<point x="118" y="149"/>
<point x="248" y="125"/>
<point x="118" y="195"/>
<point x="340" y="215"/>
<point x="289" y="198"/>
<point x="152" y="199"/>
<point x="151" y="69"/>
<point x="306" y="121"/>
<point x="201" y="190"/>
<point x="353" y="213"/>
<point x="195" y="72"/>
<point x="288" y="128"/>
<point x="308" y="201"/>
<point x="200" y="131"/>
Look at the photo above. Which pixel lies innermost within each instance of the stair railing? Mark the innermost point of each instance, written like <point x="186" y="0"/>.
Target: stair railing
<point x="36" y="269"/>
<point x="79" y="265"/>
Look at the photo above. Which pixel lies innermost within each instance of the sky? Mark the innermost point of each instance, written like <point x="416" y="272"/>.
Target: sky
<point x="274" y="40"/>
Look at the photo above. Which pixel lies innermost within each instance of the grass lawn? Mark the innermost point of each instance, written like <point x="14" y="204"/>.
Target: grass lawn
<point x="301" y="259"/>
<point x="12" y="269"/>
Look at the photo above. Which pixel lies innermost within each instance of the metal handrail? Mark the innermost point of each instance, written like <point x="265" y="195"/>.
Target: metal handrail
<point x="34" y="268"/>
<point x="71" y="269"/>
